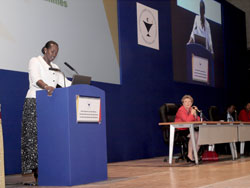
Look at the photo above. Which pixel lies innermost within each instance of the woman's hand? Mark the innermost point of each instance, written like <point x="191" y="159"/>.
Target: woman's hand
<point x="193" y="112"/>
<point x="43" y="85"/>
<point x="49" y="89"/>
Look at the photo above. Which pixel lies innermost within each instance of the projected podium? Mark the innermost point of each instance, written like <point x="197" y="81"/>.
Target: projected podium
<point x="200" y="65"/>
<point x="70" y="152"/>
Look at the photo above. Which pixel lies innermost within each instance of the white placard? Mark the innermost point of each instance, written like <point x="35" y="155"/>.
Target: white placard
<point x="88" y="109"/>
<point x="147" y="26"/>
<point x="200" y="69"/>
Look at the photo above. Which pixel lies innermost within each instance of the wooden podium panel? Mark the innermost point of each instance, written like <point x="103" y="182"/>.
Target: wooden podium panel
<point x="2" y="176"/>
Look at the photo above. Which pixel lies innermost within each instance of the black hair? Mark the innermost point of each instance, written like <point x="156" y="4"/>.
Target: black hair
<point x="48" y="45"/>
<point x="203" y="3"/>
<point x="230" y="104"/>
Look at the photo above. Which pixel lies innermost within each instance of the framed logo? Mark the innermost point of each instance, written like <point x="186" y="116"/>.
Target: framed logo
<point x="147" y="26"/>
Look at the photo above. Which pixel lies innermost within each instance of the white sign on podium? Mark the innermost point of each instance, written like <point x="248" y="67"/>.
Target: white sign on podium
<point x="200" y="69"/>
<point x="88" y="109"/>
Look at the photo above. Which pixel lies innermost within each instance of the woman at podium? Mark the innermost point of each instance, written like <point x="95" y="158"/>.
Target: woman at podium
<point x="201" y="32"/>
<point x="43" y="75"/>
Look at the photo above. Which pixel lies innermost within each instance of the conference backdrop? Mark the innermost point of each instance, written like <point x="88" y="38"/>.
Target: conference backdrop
<point x="83" y="30"/>
<point x="132" y="107"/>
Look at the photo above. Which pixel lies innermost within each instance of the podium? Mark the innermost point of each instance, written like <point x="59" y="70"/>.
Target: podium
<point x="199" y="51"/>
<point x="70" y="152"/>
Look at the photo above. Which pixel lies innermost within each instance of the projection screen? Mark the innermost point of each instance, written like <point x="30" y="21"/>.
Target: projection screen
<point x="80" y="27"/>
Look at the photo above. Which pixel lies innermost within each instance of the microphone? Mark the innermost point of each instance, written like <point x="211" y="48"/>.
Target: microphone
<point x="55" y="69"/>
<point x="202" y="116"/>
<point x="194" y="107"/>
<point x="69" y="66"/>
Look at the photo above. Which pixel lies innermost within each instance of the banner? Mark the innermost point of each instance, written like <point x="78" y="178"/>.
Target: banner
<point x="2" y="176"/>
<point x="147" y="26"/>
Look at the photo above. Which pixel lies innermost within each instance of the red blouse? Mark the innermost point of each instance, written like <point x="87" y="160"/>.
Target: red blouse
<point x="183" y="115"/>
<point x="244" y="115"/>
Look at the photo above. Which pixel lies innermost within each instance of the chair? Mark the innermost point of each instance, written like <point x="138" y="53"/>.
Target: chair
<point x="167" y="114"/>
<point x="214" y="114"/>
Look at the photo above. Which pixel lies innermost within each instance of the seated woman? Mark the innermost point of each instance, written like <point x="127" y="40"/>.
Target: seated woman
<point x="188" y="113"/>
<point x="245" y="113"/>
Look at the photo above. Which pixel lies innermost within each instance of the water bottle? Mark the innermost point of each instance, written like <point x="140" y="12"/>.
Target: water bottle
<point x="228" y="117"/>
<point x="201" y="115"/>
<point x="235" y="116"/>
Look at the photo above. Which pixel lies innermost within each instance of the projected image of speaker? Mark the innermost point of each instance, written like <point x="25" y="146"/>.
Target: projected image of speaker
<point x="198" y="53"/>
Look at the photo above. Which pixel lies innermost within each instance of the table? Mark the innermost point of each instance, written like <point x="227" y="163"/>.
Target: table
<point x="243" y="135"/>
<point x="211" y="132"/>
<point x="219" y="132"/>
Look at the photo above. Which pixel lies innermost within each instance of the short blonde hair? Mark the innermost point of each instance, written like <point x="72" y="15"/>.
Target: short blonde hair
<point x="187" y="97"/>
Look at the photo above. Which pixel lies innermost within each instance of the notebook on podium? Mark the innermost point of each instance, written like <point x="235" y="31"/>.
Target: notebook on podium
<point x="80" y="79"/>
<point x="200" y="40"/>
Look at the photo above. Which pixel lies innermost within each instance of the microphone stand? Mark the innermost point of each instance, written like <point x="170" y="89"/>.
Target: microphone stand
<point x="58" y="70"/>
<point x="203" y="117"/>
<point x="235" y="116"/>
<point x="64" y="78"/>
<point x="70" y="67"/>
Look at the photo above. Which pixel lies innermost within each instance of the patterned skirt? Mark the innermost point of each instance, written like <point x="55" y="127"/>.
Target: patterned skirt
<point x="29" y="137"/>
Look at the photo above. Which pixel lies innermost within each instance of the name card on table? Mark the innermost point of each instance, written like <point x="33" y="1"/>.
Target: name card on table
<point x="88" y="109"/>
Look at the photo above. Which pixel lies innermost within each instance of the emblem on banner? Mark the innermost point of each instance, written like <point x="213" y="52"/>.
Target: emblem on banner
<point x="147" y="26"/>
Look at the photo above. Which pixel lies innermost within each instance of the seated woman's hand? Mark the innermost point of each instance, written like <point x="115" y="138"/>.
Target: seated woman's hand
<point x="193" y="112"/>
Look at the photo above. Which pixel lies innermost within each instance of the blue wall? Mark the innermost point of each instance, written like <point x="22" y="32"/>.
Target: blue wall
<point x="236" y="55"/>
<point x="147" y="83"/>
<point x="14" y="86"/>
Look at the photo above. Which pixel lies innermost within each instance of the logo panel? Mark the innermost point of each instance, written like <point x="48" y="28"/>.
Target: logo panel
<point x="147" y="26"/>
